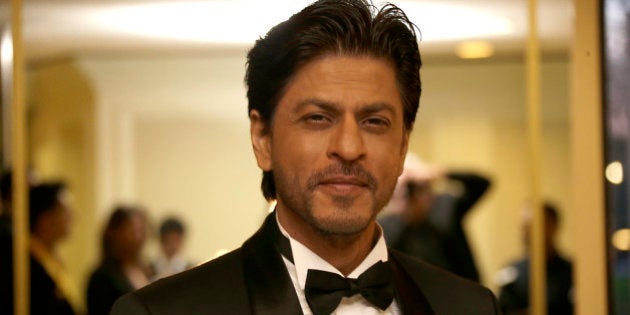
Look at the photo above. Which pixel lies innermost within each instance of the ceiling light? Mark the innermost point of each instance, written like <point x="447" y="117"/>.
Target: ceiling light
<point x="474" y="50"/>
<point x="244" y="21"/>
<point x="237" y="21"/>
<point x="448" y="21"/>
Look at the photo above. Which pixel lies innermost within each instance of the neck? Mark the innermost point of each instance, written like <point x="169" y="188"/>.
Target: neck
<point x="344" y="252"/>
<point x="129" y="260"/>
<point x="42" y="242"/>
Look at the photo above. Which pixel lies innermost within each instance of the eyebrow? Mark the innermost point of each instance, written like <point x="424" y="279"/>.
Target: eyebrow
<point x="335" y="107"/>
<point x="326" y="105"/>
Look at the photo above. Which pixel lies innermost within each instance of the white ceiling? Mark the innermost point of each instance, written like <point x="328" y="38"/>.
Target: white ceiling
<point x="64" y="27"/>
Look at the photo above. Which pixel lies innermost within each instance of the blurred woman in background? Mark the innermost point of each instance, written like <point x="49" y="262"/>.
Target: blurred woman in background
<point x="120" y="270"/>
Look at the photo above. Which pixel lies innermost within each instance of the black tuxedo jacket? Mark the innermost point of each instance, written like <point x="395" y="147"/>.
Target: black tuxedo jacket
<point x="254" y="280"/>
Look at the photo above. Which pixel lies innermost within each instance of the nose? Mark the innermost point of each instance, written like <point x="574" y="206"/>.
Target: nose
<point x="347" y="143"/>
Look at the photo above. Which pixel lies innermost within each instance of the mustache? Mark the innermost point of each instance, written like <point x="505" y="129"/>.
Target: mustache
<point x="354" y="170"/>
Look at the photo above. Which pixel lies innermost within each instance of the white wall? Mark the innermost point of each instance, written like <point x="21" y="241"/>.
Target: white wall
<point x="174" y="136"/>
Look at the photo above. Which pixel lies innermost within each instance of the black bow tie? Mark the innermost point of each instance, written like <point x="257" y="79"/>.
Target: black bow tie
<point x="324" y="290"/>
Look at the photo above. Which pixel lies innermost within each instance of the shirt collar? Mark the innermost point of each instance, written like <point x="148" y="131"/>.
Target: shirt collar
<point x="305" y="259"/>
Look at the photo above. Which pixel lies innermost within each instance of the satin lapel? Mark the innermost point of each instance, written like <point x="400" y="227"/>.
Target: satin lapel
<point x="269" y="285"/>
<point x="410" y="298"/>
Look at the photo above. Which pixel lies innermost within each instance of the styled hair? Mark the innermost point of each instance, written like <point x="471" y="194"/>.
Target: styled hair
<point x="171" y="225"/>
<point x="43" y="198"/>
<point x="332" y="27"/>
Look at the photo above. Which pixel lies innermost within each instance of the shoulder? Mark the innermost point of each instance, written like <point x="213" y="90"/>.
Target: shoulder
<point x="38" y="275"/>
<point x="446" y="292"/>
<point x="217" y="286"/>
<point x="107" y="279"/>
<point x="204" y="276"/>
<point x="563" y="261"/>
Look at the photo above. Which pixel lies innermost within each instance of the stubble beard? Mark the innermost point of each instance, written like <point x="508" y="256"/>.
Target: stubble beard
<point x="299" y="198"/>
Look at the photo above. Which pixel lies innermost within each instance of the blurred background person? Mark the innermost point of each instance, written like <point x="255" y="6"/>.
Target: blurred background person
<point x="429" y="225"/>
<point x="6" y="245"/>
<point x="50" y="217"/>
<point x="514" y="279"/>
<point x="6" y="239"/>
<point x="121" y="269"/>
<point x="170" y="260"/>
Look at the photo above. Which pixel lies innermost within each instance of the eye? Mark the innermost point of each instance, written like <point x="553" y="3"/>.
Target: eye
<point x="377" y="122"/>
<point x="317" y="120"/>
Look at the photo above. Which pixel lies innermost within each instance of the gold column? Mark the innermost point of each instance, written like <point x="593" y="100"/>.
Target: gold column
<point x="537" y="288"/>
<point x="19" y="159"/>
<point x="589" y="230"/>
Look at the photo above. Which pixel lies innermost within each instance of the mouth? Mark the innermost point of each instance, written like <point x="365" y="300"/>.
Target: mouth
<point x="343" y="185"/>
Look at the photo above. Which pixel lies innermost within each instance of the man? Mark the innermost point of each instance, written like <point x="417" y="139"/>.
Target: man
<point x="514" y="280"/>
<point x="6" y="239"/>
<point x="6" y="245"/>
<point x="333" y="93"/>
<point x="170" y="260"/>
<point x="428" y="224"/>
<point x="52" y="292"/>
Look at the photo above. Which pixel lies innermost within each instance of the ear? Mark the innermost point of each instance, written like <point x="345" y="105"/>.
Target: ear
<point x="261" y="140"/>
<point x="403" y="151"/>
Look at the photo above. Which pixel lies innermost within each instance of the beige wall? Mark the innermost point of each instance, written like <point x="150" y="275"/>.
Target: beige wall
<point x="61" y="120"/>
<point x="172" y="133"/>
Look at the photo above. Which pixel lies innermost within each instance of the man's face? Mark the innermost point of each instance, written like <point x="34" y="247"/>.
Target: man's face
<point x="60" y="218"/>
<point x="336" y="144"/>
<point x="171" y="243"/>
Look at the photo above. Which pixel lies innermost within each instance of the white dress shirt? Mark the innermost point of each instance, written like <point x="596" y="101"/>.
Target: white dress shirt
<point x="305" y="259"/>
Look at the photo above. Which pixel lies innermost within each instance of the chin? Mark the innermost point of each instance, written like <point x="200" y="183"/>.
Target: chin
<point x="344" y="221"/>
<point x="342" y="228"/>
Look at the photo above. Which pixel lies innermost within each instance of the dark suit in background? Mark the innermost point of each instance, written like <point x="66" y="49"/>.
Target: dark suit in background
<point x="107" y="283"/>
<point x="6" y="266"/>
<point x="448" y="214"/>
<point x="440" y="239"/>
<point x="514" y="295"/>
<point x="46" y="297"/>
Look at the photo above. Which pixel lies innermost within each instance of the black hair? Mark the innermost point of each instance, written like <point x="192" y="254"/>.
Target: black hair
<point x="172" y="224"/>
<point x="332" y="27"/>
<point x="117" y="219"/>
<point x="551" y="212"/>
<point x="43" y="198"/>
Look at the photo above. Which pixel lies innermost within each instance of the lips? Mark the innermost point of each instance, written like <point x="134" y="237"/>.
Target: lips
<point x="343" y="184"/>
<point x="342" y="179"/>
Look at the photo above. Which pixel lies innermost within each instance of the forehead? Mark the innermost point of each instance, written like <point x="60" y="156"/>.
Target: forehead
<point x="346" y="78"/>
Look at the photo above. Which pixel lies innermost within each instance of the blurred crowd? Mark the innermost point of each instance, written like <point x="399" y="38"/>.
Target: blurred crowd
<point x="425" y="218"/>
<point x="121" y="267"/>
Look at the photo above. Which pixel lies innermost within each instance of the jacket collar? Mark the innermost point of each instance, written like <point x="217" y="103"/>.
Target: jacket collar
<point x="410" y="298"/>
<point x="268" y="283"/>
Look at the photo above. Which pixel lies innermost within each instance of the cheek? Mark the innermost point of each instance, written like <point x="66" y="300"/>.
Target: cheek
<point x="297" y="152"/>
<point x="389" y="159"/>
